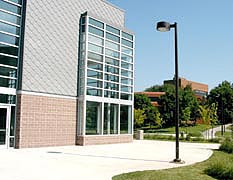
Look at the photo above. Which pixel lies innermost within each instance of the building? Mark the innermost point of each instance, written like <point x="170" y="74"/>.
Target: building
<point x="66" y="73"/>
<point x="200" y="89"/>
<point x="153" y="96"/>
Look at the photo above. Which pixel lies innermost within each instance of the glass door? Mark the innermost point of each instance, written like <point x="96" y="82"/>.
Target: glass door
<point x="4" y="123"/>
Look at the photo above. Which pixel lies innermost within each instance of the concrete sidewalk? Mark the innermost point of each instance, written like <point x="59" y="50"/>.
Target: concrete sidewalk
<point x="99" y="162"/>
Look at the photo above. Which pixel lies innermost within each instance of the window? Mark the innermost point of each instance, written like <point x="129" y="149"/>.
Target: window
<point x="96" y="23"/>
<point x="94" y="83"/>
<point x="111" y="94"/>
<point x="112" y="78"/>
<point x="125" y="119"/>
<point x="126" y="73"/>
<point x="96" y="31"/>
<point x="95" y="40"/>
<point x="95" y="56"/>
<point x="127" y="36"/>
<point x="126" y="58"/>
<point x="9" y="39"/>
<point x="110" y="118"/>
<point x="94" y="92"/>
<point x="8" y="60"/>
<point x="10" y="7"/>
<point x="112" y="69"/>
<point x="112" y="37"/>
<point x="111" y="61"/>
<point x="111" y="86"/>
<point x="9" y="28"/>
<point x="6" y="98"/>
<point x="94" y="74"/>
<point x="94" y="65"/>
<point x="93" y="118"/>
<point x="126" y="81"/>
<point x="126" y="65"/>
<point x="111" y="45"/>
<point x="9" y="18"/>
<point x="6" y="82"/>
<point x="8" y="50"/>
<point x="5" y="71"/>
<point x="126" y="96"/>
<point x="127" y="50"/>
<point x="113" y="30"/>
<point x="95" y="48"/>
<point x="126" y="89"/>
<point x="112" y="53"/>
<point x="127" y="43"/>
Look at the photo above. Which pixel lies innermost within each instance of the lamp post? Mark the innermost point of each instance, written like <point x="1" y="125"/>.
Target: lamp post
<point x="163" y="27"/>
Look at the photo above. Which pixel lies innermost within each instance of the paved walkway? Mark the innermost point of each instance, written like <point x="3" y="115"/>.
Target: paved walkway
<point x="98" y="162"/>
<point x="209" y="134"/>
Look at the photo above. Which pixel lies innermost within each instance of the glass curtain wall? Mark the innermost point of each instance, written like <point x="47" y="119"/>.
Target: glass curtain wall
<point x="10" y="24"/>
<point x="106" y="65"/>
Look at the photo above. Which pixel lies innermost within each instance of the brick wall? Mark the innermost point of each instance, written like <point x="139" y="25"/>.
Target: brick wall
<point x="105" y="139"/>
<point x="45" y="121"/>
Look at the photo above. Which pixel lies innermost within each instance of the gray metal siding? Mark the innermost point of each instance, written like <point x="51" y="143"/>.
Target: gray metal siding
<point x="51" y="42"/>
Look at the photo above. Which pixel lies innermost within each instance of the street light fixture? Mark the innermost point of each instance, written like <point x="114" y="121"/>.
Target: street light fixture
<point x="163" y="27"/>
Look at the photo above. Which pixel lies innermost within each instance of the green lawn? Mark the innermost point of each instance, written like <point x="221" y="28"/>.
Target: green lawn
<point x="192" y="130"/>
<point x="225" y="134"/>
<point x="193" y="172"/>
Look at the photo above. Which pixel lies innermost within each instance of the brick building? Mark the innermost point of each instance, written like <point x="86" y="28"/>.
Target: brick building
<point x="66" y="73"/>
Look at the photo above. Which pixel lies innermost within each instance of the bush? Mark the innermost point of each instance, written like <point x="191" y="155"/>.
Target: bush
<point x="221" y="169"/>
<point x="227" y="145"/>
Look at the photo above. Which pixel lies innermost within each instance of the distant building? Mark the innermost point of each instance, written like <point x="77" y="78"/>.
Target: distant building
<point x="153" y="96"/>
<point x="200" y="89"/>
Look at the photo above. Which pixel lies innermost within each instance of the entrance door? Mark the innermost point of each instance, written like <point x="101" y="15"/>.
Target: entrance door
<point x="4" y="126"/>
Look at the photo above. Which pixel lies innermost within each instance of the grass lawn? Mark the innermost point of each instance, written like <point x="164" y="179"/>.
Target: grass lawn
<point x="193" y="172"/>
<point x="225" y="134"/>
<point x="192" y="130"/>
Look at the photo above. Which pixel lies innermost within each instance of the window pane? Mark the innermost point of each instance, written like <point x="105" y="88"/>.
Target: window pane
<point x="96" y="31"/>
<point x="112" y="53"/>
<point x="95" y="48"/>
<point x="126" y="96"/>
<point x="17" y="1"/>
<point x="126" y="73"/>
<point x="5" y="82"/>
<point x="126" y="89"/>
<point x="8" y="61"/>
<point x="126" y="58"/>
<point x="126" y="65"/>
<point x="10" y="7"/>
<point x="93" y="118"/>
<point x="112" y="29"/>
<point x="94" y="65"/>
<point x="9" y="18"/>
<point x="12" y="123"/>
<point x="111" y="94"/>
<point x="112" y="37"/>
<point x="127" y="36"/>
<point x="95" y="56"/>
<point x="125" y="119"/>
<point x="94" y="74"/>
<point x="111" y="61"/>
<point x="9" y="28"/>
<point x="127" y="43"/>
<point x="126" y="81"/>
<point x="110" y="118"/>
<point x="8" y="50"/>
<point x="9" y="39"/>
<point x="96" y="23"/>
<point x="95" y="40"/>
<point x="94" y="83"/>
<point x="112" y="69"/>
<point x="111" y="86"/>
<point x="94" y="92"/>
<point x="112" y="78"/>
<point x="4" y="71"/>
<point x="127" y="50"/>
<point x="6" y="98"/>
<point x="112" y="45"/>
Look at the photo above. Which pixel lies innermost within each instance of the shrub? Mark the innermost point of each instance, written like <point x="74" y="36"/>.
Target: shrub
<point x="220" y="169"/>
<point x="227" y="145"/>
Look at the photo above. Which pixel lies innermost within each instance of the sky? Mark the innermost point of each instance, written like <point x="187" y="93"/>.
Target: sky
<point x="205" y="40"/>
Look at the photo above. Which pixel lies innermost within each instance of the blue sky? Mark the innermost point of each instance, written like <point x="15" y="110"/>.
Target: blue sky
<point x="205" y="40"/>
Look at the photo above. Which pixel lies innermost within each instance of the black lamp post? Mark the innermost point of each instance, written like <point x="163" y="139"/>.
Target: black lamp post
<point x="163" y="27"/>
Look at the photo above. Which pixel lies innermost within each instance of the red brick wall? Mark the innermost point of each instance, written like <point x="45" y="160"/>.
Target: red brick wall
<point x="105" y="139"/>
<point x="45" y="121"/>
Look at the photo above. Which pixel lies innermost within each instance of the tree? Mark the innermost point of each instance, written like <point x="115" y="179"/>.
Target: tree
<point x="139" y="117"/>
<point x="141" y="101"/>
<point x="186" y="113"/>
<point x="159" y="88"/>
<point x="223" y="96"/>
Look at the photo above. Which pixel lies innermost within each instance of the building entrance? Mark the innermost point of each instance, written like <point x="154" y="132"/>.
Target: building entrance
<point x="4" y="126"/>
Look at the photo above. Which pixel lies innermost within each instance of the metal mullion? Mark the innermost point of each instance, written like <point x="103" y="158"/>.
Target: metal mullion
<point x="9" y="23"/>
<point x="7" y="66"/>
<point x="13" y="3"/>
<point x="9" y="12"/>
<point x="7" y="77"/>
<point x="10" y="34"/>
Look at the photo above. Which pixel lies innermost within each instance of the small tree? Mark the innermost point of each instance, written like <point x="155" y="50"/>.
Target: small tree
<point x="139" y="117"/>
